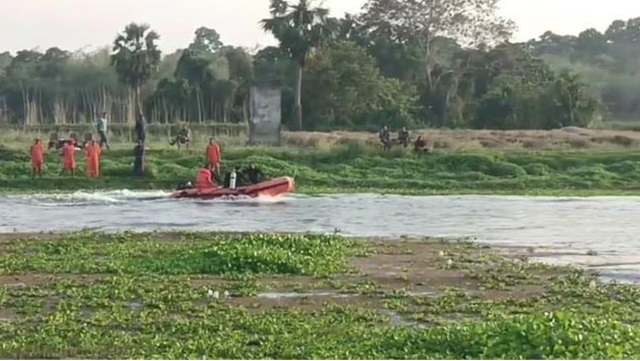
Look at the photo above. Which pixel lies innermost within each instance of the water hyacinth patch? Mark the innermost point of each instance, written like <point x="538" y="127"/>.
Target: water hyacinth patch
<point x="300" y="296"/>
<point x="130" y="253"/>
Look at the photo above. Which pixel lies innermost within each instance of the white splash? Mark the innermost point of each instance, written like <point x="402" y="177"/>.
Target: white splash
<point x="89" y="198"/>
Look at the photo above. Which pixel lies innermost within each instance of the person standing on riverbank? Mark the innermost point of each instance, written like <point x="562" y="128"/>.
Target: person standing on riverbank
<point x="69" y="158"/>
<point x="102" y="130"/>
<point x="140" y="123"/>
<point x="37" y="158"/>
<point x="385" y="138"/>
<point x="404" y="137"/>
<point x="92" y="152"/>
<point x="138" y="161"/>
<point x="213" y="156"/>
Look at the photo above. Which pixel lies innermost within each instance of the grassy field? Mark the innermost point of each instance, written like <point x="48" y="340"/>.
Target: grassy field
<point x="158" y="136"/>
<point x="349" y="162"/>
<point x="257" y="296"/>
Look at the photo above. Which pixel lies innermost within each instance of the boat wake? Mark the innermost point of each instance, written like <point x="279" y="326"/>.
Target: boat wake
<point x="86" y="198"/>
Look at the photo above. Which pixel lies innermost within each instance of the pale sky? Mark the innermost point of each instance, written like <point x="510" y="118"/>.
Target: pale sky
<point x="76" y="24"/>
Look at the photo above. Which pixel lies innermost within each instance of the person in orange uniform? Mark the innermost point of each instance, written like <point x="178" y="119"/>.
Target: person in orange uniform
<point x="205" y="179"/>
<point x="93" y="152"/>
<point x="37" y="158"/>
<point x="69" y="158"/>
<point x="213" y="155"/>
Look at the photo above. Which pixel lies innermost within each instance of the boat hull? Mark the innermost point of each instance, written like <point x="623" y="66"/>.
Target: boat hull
<point x="270" y="188"/>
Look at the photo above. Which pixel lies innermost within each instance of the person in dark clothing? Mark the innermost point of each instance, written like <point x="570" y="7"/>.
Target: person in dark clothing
<point x="56" y="144"/>
<point x="420" y="146"/>
<point x="138" y="162"/>
<point x="252" y="174"/>
<point x="385" y="138"/>
<point x="403" y="137"/>
<point x="182" y="138"/>
<point x="140" y="123"/>
<point x="101" y="126"/>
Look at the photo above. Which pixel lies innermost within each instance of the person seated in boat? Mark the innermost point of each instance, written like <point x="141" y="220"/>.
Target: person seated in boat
<point x="205" y="179"/>
<point x="252" y="175"/>
<point x="241" y="180"/>
<point x="227" y="180"/>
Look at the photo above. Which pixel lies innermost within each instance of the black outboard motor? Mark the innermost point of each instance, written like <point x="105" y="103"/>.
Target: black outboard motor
<point x="184" y="186"/>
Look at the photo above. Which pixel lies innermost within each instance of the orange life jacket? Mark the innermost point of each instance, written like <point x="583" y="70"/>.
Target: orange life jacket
<point x="37" y="153"/>
<point x="213" y="154"/>
<point x="205" y="179"/>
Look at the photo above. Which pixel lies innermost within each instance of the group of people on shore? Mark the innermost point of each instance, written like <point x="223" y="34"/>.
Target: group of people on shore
<point x="92" y="149"/>
<point x="68" y="148"/>
<point x="207" y="176"/>
<point x="420" y="146"/>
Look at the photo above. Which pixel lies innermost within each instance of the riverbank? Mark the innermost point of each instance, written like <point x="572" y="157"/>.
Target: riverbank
<point x="236" y="135"/>
<point x="359" y="169"/>
<point x="195" y="295"/>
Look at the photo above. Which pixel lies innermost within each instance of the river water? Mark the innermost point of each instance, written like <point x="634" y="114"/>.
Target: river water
<point x="598" y="232"/>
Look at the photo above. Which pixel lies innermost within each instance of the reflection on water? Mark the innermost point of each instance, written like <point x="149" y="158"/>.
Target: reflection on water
<point x="604" y="226"/>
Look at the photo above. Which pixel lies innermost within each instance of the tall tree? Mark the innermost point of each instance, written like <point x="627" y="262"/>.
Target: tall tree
<point x="550" y="43"/>
<point x="52" y="62"/>
<point x="590" y="45"/>
<point x="345" y="89"/>
<point x="624" y="44"/>
<point x="5" y="60"/>
<point x="573" y="101"/>
<point x="136" y="57"/>
<point x="241" y="72"/>
<point x="423" y="24"/>
<point x="207" y="40"/>
<point x="300" y="28"/>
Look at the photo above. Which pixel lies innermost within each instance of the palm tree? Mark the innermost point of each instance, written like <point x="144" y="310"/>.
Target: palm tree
<point x="136" y="56"/>
<point x="299" y="28"/>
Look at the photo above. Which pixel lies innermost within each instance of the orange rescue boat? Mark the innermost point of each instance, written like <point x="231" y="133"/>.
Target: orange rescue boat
<point x="270" y="188"/>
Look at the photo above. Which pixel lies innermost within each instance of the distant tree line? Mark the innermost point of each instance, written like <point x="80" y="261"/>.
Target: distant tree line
<point x="608" y="61"/>
<point x="398" y="62"/>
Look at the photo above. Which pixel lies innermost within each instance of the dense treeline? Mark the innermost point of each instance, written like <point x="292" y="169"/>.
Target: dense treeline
<point x="400" y="62"/>
<point x="609" y="61"/>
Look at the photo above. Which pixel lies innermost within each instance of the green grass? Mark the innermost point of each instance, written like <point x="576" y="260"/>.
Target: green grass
<point x="87" y="295"/>
<point x="356" y="168"/>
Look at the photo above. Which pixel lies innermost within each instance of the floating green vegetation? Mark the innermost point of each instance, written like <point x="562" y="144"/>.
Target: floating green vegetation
<point x="257" y="296"/>
<point x="131" y="253"/>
